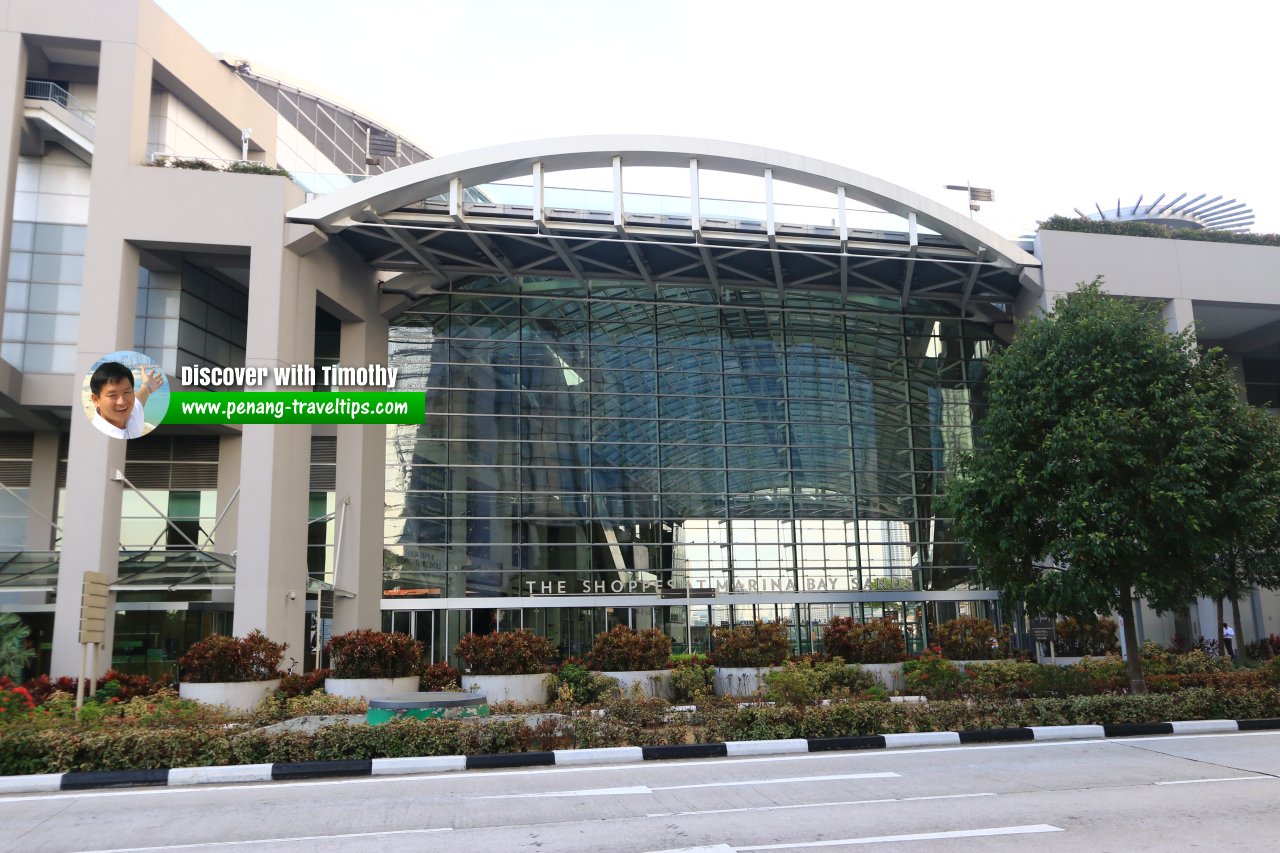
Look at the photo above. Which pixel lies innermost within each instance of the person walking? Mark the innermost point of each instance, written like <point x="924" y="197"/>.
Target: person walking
<point x="1229" y="640"/>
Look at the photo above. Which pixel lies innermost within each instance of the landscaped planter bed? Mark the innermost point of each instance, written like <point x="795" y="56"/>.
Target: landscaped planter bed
<point x="236" y="695"/>
<point x="526" y="689"/>
<point x="50" y="748"/>
<point x="652" y="682"/>
<point x="371" y="688"/>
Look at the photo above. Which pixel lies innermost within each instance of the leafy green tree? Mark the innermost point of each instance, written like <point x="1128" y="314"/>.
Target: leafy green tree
<point x="14" y="654"/>
<point x="1105" y="454"/>
<point x="1249" y="519"/>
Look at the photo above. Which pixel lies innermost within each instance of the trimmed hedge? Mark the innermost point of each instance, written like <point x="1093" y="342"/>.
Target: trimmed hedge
<point x="642" y="723"/>
<point x="867" y="718"/>
<point x="59" y="750"/>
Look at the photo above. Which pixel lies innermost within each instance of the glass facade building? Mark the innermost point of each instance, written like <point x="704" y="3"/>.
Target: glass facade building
<point x="676" y="456"/>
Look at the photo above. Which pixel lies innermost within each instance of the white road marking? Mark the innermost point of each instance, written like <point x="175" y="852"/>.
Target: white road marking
<point x="585" y="792"/>
<point x="919" y="836"/>
<point x="821" y="805"/>
<point x="1223" y="779"/>
<point x="384" y="834"/>
<point x="741" y="782"/>
<point x="643" y="789"/>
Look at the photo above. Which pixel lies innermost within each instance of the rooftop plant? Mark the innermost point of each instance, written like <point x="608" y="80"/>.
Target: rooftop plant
<point x="1150" y="229"/>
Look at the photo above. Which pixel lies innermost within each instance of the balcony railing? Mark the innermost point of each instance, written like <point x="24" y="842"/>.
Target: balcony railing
<point x="45" y="90"/>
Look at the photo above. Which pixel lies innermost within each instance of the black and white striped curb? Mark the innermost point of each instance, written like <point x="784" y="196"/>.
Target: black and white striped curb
<point x="45" y="782"/>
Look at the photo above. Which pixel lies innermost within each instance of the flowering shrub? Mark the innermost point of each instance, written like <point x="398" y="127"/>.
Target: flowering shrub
<point x="42" y="687"/>
<point x="755" y="644"/>
<point x="218" y="658"/>
<point x="373" y="654"/>
<point x="1076" y="638"/>
<point x="440" y="676"/>
<point x="933" y="675"/>
<point x="877" y="641"/>
<point x="971" y="638"/>
<point x="506" y="653"/>
<point x="15" y="703"/>
<point x="622" y="649"/>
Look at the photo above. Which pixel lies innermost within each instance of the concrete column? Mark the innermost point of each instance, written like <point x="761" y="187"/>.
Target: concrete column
<point x="225" y="538"/>
<point x="1178" y="315"/>
<point x="271" y="558"/>
<point x="1204" y="614"/>
<point x="361" y="478"/>
<point x="13" y="67"/>
<point x="91" y="539"/>
<point x="43" y="494"/>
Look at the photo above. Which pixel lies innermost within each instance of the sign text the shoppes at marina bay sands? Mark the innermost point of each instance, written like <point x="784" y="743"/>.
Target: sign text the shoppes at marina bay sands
<point x="353" y="400"/>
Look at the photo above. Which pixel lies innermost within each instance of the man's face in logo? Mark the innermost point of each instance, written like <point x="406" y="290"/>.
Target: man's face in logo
<point x="114" y="402"/>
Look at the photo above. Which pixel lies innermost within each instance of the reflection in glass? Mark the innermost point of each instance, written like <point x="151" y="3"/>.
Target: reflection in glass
<point x="597" y="438"/>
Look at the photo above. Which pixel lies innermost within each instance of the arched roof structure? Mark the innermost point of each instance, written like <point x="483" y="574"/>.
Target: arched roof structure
<point x="434" y="223"/>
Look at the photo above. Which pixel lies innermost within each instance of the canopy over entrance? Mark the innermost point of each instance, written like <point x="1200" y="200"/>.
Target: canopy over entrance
<point x="501" y="211"/>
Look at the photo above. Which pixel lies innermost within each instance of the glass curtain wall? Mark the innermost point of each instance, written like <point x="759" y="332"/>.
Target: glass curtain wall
<point x="610" y="440"/>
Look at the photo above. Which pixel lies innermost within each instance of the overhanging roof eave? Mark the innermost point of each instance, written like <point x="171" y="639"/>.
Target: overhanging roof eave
<point x="396" y="189"/>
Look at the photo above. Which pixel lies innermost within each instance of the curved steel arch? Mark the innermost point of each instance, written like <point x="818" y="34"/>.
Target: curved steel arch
<point x="392" y="190"/>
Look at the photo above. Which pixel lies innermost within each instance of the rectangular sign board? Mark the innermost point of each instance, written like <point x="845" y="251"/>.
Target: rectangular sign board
<point x="93" y="608"/>
<point x="1044" y="628"/>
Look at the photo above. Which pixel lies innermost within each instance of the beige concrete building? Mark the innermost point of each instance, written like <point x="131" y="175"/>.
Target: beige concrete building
<point x="670" y="411"/>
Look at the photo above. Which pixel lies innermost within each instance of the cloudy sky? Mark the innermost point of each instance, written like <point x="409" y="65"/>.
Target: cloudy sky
<point x="1053" y="105"/>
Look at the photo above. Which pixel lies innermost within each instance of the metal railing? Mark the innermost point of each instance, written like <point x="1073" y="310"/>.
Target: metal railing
<point x="45" y="90"/>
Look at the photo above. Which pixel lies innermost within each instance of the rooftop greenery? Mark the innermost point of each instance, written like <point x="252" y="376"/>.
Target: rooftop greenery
<point x="1147" y="229"/>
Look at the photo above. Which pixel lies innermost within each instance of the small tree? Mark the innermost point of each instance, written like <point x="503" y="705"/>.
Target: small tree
<point x="1249" y="518"/>
<point x="1104" y="453"/>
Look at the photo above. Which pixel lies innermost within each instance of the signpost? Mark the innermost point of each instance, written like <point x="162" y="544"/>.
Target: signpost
<point x="93" y="627"/>
<point x="1044" y="629"/>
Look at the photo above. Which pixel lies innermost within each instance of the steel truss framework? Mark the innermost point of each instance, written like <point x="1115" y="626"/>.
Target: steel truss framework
<point x="435" y="235"/>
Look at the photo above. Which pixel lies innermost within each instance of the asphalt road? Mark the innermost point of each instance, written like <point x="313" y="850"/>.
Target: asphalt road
<point x="1171" y="793"/>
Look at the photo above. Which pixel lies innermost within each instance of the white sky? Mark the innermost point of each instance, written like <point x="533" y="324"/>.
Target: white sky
<point x="1053" y="105"/>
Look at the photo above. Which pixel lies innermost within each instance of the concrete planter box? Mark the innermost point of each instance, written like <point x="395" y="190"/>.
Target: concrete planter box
<point x="371" y="688"/>
<point x="529" y="689"/>
<point x="653" y="682"/>
<point x="890" y="674"/>
<point x="741" y="680"/>
<point x="236" y="695"/>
